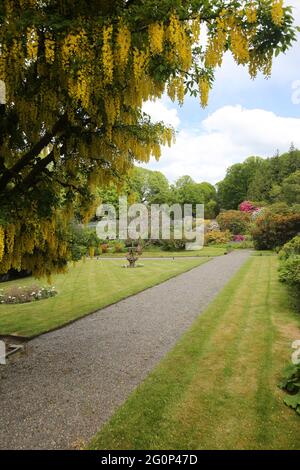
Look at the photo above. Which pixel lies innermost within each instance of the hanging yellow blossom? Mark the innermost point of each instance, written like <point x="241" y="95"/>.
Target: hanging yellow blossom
<point x="1" y="242"/>
<point x="49" y="49"/>
<point x="10" y="237"/>
<point x="107" y="55"/>
<point x="174" y="32"/>
<point x="277" y="12"/>
<point x="204" y="91"/>
<point x="251" y="13"/>
<point x="156" y="37"/>
<point x="140" y="59"/>
<point x="32" y="43"/>
<point x="239" y="45"/>
<point x="123" y="43"/>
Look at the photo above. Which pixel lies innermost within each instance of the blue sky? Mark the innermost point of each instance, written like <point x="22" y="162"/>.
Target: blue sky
<point x="244" y="118"/>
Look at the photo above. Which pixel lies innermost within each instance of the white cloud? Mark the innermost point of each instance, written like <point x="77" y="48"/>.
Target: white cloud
<point x="227" y="136"/>
<point x="160" y="111"/>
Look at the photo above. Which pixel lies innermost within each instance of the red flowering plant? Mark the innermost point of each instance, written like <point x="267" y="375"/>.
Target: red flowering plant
<point x="248" y="207"/>
<point x="239" y="238"/>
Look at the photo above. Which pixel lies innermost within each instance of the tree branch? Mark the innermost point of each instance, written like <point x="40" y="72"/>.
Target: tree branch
<point x="26" y="159"/>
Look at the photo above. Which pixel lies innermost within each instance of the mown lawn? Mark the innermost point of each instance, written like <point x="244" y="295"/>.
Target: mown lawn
<point x="207" y="251"/>
<point x="88" y="286"/>
<point x="217" y="389"/>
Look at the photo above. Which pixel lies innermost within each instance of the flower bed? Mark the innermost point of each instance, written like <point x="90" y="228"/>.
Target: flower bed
<point x="21" y="295"/>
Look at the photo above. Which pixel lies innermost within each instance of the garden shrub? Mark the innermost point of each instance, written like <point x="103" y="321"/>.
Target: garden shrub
<point x="173" y="245"/>
<point x="289" y="271"/>
<point x="292" y="248"/>
<point x="291" y="384"/>
<point x="235" y="221"/>
<point x="272" y="230"/>
<point x="104" y="248"/>
<point x="118" y="247"/>
<point x="20" y="295"/>
<point x="216" y="237"/>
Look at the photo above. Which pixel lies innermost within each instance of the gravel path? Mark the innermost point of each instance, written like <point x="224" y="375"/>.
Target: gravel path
<point x="72" y="379"/>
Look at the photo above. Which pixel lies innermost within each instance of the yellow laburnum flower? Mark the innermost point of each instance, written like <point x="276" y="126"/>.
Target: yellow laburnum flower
<point x="277" y="12"/>
<point x="49" y="49"/>
<point x="123" y="43"/>
<point x="239" y="46"/>
<point x="32" y="43"/>
<point x="140" y="60"/>
<point x="10" y="237"/>
<point x="107" y="55"/>
<point x="156" y="37"/>
<point x="1" y="242"/>
<point x="204" y="91"/>
<point x="251" y="13"/>
<point x="174" y="32"/>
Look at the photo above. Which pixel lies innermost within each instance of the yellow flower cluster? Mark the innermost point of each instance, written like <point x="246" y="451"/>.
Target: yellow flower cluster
<point x="204" y="91"/>
<point x="123" y="43"/>
<point x="174" y="33"/>
<point x="140" y="62"/>
<point x="156" y="37"/>
<point x="74" y="44"/>
<point x="2" y="244"/>
<point x="178" y="37"/>
<point x="10" y="237"/>
<point x="2" y="66"/>
<point x="239" y="45"/>
<point x="112" y="108"/>
<point x="216" y="45"/>
<point x="176" y="89"/>
<point x="251" y="13"/>
<point x="49" y="49"/>
<point x="32" y="43"/>
<point x="277" y="12"/>
<point x="107" y="55"/>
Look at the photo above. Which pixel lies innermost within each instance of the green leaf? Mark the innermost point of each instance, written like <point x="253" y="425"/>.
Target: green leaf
<point x="293" y="401"/>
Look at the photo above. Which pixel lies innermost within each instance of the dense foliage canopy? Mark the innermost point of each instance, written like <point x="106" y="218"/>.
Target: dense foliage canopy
<point x="76" y="74"/>
<point x="272" y="180"/>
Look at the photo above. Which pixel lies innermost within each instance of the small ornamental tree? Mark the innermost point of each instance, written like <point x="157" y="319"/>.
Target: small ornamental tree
<point x="75" y="75"/>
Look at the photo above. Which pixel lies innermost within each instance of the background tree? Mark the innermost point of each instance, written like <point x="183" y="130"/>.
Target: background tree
<point x="76" y="74"/>
<point x="261" y="181"/>
<point x="150" y="187"/>
<point x="235" y="187"/>
<point x="291" y="188"/>
<point x="187" y="191"/>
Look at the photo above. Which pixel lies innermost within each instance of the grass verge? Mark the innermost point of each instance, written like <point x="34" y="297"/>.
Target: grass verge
<point x="217" y="389"/>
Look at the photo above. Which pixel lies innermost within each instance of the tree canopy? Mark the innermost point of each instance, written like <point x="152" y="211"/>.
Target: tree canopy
<point x="272" y="180"/>
<point x="76" y="73"/>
